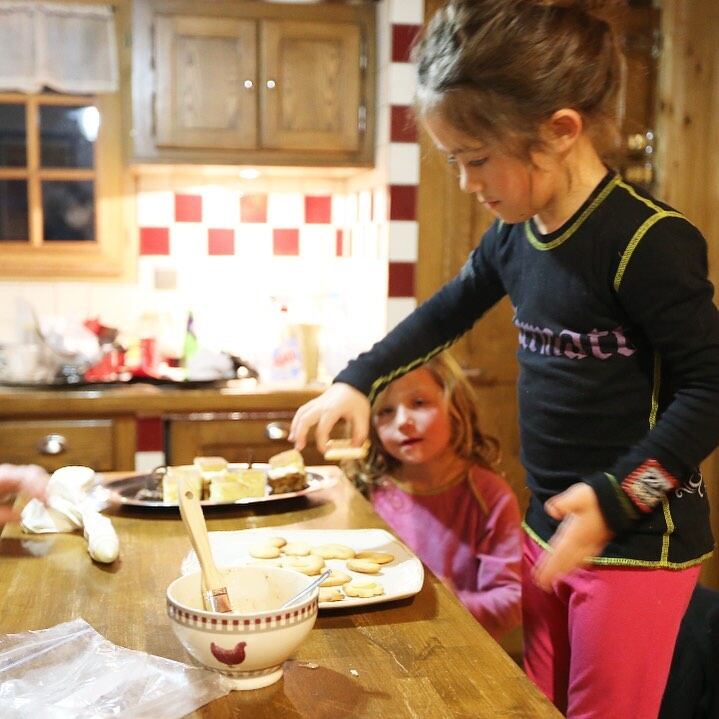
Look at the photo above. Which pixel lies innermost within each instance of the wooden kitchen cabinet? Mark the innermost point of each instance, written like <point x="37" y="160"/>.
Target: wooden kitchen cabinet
<point x="236" y="436"/>
<point x="104" y="444"/>
<point x="253" y="83"/>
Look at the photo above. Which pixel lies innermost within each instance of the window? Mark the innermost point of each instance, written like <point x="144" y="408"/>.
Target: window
<point x="60" y="186"/>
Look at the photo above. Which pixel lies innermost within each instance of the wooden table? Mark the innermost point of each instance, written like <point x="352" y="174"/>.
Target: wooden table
<point x="425" y="656"/>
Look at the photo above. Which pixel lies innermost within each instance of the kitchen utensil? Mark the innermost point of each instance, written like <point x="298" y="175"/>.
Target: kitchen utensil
<point x="214" y="591"/>
<point x="314" y="583"/>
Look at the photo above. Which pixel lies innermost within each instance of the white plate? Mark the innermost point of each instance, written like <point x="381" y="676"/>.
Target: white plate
<point x="402" y="577"/>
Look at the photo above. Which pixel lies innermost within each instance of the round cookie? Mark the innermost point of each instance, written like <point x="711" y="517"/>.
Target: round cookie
<point x="277" y="541"/>
<point x="263" y="550"/>
<point x="297" y="549"/>
<point x="363" y="565"/>
<point x="310" y="565"/>
<point x="330" y="594"/>
<point x="364" y="588"/>
<point x="376" y="557"/>
<point x="336" y="579"/>
<point x="333" y="551"/>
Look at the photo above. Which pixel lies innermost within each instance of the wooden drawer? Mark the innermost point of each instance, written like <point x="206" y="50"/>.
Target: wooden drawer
<point x="236" y="436"/>
<point x="103" y="444"/>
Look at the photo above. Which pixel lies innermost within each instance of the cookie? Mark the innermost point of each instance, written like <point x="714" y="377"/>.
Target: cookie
<point x="376" y="557"/>
<point x="309" y="565"/>
<point x="336" y="579"/>
<point x="330" y="594"/>
<point x="339" y="450"/>
<point x="296" y="549"/>
<point x="262" y="550"/>
<point x="363" y="565"/>
<point x="277" y="541"/>
<point x="334" y="551"/>
<point x="364" y="588"/>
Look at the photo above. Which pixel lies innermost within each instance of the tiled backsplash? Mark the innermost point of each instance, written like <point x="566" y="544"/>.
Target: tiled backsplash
<point x="337" y="252"/>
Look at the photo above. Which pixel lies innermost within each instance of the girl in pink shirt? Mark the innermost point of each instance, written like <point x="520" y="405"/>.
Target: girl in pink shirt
<point x="434" y="485"/>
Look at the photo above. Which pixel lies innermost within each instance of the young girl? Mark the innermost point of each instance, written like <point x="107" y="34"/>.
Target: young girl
<point x="618" y="343"/>
<point x="434" y="485"/>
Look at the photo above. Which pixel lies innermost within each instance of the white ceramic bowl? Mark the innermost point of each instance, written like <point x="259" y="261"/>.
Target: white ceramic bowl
<point x="249" y="644"/>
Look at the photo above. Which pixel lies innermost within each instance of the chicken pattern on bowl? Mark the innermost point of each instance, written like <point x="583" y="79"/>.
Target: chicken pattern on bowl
<point x="248" y="645"/>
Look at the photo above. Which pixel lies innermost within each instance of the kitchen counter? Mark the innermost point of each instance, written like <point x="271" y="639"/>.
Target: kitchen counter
<point x="104" y="427"/>
<point x="150" y="400"/>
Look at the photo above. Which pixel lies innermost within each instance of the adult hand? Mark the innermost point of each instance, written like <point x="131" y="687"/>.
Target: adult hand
<point x="582" y="533"/>
<point x="28" y="479"/>
<point x="338" y="401"/>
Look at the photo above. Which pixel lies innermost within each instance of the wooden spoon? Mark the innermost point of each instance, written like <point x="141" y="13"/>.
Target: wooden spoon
<point x="214" y="590"/>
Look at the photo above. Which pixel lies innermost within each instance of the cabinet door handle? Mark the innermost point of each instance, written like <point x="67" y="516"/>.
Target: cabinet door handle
<point x="52" y="444"/>
<point x="248" y="84"/>
<point x="277" y="431"/>
<point x="271" y="84"/>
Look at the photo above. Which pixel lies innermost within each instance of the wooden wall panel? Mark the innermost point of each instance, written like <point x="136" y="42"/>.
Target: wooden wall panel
<point x="688" y="146"/>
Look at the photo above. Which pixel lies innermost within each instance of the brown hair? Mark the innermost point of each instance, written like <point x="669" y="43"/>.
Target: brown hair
<point x="497" y="69"/>
<point x="468" y="440"/>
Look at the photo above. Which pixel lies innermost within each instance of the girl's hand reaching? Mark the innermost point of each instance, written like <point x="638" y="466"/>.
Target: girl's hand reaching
<point x="583" y="533"/>
<point x="339" y="401"/>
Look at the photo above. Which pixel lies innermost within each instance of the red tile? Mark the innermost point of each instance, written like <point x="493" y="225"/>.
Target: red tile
<point x="154" y="241"/>
<point x="285" y="242"/>
<point x="401" y="279"/>
<point x="339" y="243"/>
<point x="403" y="127"/>
<point x="253" y="208"/>
<point x="188" y="208"/>
<point x="403" y="202"/>
<point x="402" y="38"/>
<point x="220" y="242"/>
<point x="318" y="209"/>
<point x="150" y="435"/>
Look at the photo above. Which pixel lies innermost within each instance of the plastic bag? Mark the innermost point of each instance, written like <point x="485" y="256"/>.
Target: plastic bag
<point x="71" y="672"/>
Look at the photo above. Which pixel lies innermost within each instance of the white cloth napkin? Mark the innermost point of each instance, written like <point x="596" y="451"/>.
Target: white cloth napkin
<point x="70" y="506"/>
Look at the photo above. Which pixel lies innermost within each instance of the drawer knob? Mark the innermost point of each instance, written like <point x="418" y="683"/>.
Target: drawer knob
<point x="52" y="444"/>
<point x="277" y="431"/>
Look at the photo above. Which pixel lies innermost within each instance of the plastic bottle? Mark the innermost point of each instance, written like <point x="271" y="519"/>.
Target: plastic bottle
<point x="286" y="365"/>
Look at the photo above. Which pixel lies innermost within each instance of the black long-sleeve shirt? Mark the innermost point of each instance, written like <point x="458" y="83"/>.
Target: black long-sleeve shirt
<point x="619" y="364"/>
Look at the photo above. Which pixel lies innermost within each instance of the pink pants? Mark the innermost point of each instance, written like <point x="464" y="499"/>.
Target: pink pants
<point x="600" y="644"/>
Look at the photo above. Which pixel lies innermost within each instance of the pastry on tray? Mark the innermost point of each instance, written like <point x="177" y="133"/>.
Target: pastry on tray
<point x="287" y="472"/>
<point x="237" y="484"/>
<point x="171" y="478"/>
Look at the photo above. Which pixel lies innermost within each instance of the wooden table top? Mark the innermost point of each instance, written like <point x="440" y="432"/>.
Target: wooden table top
<point x="425" y="656"/>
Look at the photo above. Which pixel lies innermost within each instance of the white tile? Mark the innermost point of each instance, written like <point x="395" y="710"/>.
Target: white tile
<point x="403" y="241"/>
<point x="253" y="241"/>
<point x="188" y="242"/>
<point x="155" y="209"/>
<point x="398" y="308"/>
<point x="221" y="207"/>
<point x="402" y="82"/>
<point x="73" y="300"/>
<point x="406" y="12"/>
<point x="286" y="209"/>
<point x="403" y="163"/>
<point x="317" y="242"/>
<point x="381" y="204"/>
<point x="339" y="210"/>
<point x="364" y="208"/>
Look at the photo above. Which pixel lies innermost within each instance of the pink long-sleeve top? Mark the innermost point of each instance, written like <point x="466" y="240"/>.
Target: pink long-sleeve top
<point x="468" y="533"/>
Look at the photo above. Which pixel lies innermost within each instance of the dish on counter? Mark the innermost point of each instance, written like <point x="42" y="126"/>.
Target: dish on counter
<point x="400" y="578"/>
<point x="145" y="490"/>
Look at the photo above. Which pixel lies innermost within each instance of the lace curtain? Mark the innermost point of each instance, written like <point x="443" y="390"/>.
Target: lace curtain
<point x="68" y="48"/>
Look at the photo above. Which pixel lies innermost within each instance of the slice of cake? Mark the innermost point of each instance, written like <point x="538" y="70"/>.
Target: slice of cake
<point x="287" y="472"/>
<point x="237" y="484"/>
<point x="210" y="468"/>
<point x="171" y="480"/>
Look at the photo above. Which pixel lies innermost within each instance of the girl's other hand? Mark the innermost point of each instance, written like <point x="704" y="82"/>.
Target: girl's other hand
<point x="339" y="401"/>
<point x="28" y="479"/>
<point x="582" y="533"/>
